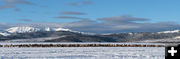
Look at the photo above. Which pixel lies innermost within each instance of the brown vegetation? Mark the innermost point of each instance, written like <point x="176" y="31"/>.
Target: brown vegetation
<point x="81" y="45"/>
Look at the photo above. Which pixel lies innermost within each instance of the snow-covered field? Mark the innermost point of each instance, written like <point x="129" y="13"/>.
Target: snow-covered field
<point x="83" y="53"/>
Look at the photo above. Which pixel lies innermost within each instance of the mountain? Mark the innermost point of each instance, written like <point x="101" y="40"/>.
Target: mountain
<point x="26" y="29"/>
<point x="22" y="29"/>
<point x="174" y="31"/>
<point x="4" y="34"/>
<point x="55" y="29"/>
<point x="49" y="34"/>
<point x="61" y="29"/>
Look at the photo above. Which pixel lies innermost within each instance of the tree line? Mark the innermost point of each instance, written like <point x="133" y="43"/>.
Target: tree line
<point x="81" y="45"/>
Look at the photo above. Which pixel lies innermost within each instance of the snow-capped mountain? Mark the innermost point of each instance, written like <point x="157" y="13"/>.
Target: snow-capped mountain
<point x="18" y="33"/>
<point x="177" y="37"/>
<point x="27" y="29"/>
<point x="175" y="31"/>
<point x="55" y="29"/>
<point x="61" y="29"/>
<point x="4" y="34"/>
<point x="48" y="29"/>
<point x="22" y="29"/>
<point x="33" y="29"/>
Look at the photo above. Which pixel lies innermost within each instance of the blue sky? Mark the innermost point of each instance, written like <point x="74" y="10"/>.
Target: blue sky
<point x="72" y="11"/>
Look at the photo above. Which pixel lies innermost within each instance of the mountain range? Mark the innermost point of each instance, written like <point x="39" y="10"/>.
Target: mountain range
<point x="48" y="34"/>
<point x="12" y="30"/>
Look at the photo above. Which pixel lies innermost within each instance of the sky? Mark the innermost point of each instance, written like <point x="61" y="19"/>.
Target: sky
<point x="97" y="16"/>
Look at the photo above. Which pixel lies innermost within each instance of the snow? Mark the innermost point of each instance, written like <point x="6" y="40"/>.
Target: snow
<point x="178" y="37"/>
<point x="22" y="29"/>
<point x="175" y="31"/>
<point x="56" y="29"/>
<point x="32" y="29"/>
<point x="107" y="34"/>
<point x="4" y="34"/>
<point x="84" y="53"/>
<point x="47" y="29"/>
<point x="27" y="29"/>
<point x="131" y="33"/>
<point x="61" y="29"/>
